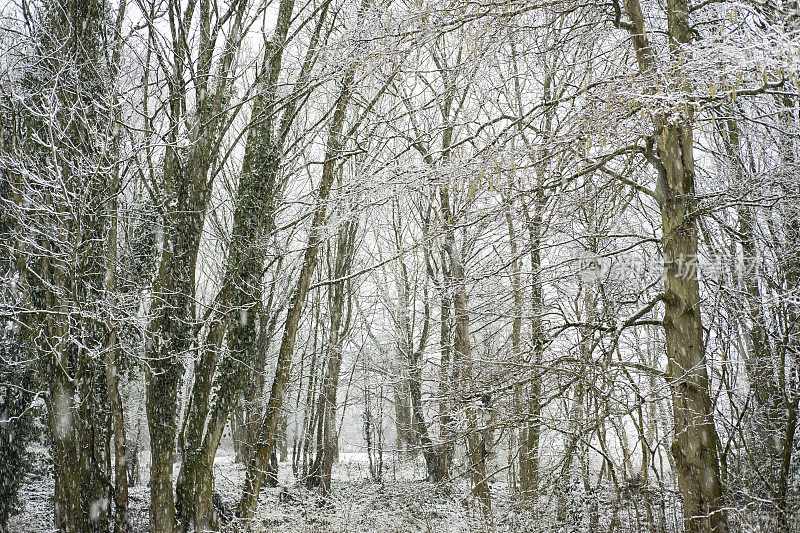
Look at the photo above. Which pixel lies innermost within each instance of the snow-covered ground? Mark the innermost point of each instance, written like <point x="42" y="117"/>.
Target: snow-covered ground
<point x="401" y="503"/>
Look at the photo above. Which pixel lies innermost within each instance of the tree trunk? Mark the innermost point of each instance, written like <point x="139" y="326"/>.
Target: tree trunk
<point x="476" y="446"/>
<point x="696" y="440"/>
<point x="446" y="446"/>
<point x="345" y="251"/>
<point x="120" y="489"/>
<point x="402" y="409"/>
<point x="530" y="432"/>
<point x="171" y="337"/>
<point x="266" y="438"/>
<point x="408" y="434"/>
<point x="63" y="278"/>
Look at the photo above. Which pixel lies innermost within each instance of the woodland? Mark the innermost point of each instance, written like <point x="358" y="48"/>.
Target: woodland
<point x="399" y="265"/>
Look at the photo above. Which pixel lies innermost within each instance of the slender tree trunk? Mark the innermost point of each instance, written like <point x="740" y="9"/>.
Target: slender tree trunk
<point x="476" y="446"/>
<point x="516" y="333"/>
<point x="530" y="433"/>
<point x="345" y="250"/>
<point x="120" y="489"/>
<point x="266" y="439"/>
<point x="121" y="481"/>
<point x="406" y="436"/>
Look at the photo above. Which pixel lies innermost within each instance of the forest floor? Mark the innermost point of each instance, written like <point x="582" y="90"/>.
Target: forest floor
<point x="400" y="503"/>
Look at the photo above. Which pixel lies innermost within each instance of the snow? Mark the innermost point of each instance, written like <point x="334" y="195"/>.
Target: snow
<point x="356" y="504"/>
<point x="401" y="503"/>
<point x="97" y="508"/>
<point x="62" y="414"/>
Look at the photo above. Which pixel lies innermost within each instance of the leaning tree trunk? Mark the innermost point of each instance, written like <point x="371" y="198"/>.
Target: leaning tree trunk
<point x="266" y="437"/>
<point x="171" y="330"/>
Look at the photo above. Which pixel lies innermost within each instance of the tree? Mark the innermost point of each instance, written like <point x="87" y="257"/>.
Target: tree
<point x="266" y="437"/>
<point x="192" y="141"/>
<point x="670" y="151"/>
<point x="60" y="162"/>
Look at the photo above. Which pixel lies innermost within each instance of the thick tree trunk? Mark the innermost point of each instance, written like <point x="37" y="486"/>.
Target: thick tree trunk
<point x="696" y="440"/>
<point x="404" y="441"/>
<point x="80" y="500"/>
<point x="64" y="276"/>
<point x="446" y="373"/>
<point x="407" y="434"/>
<point x="171" y="338"/>
<point x="71" y="465"/>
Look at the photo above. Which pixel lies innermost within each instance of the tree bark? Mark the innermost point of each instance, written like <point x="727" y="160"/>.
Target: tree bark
<point x="120" y="488"/>
<point x="696" y="440"/>
<point x="476" y="447"/>
<point x="63" y="193"/>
